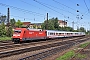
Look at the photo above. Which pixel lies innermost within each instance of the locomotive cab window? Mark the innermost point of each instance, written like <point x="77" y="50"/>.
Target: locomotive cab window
<point x="17" y="31"/>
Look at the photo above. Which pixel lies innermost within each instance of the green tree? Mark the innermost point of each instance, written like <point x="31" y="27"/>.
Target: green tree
<point x="44" y="25"/>
<point x="68" y="29"/>
<point x="88" y="32"/>
<point x="34" y="26"/>
<point x="82" y="29"/>
<point x="12" y="22"/>
<point x="9" y="31"/>
<point x="56" y="25"/>
<point x="18" y="24"/>
<point x="52" y="24"/>
<point x="2" y="18"/>
<point x="2" y="30"/>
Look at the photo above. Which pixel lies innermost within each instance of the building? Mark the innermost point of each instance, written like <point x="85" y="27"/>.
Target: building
<point x="37" y="25"/>
<point x="26" y="24"/>
<point x="32" y="25"/>
<point x="62" y="23"/>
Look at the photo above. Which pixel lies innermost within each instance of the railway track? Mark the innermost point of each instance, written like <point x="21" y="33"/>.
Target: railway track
<point x="23" y="50"/>
<point x="10" y="45"/>
<point x="47" y="53"/>
<point x="79" y="51"/>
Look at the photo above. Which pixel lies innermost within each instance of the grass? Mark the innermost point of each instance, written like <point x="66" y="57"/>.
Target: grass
<point x="66" y="56"/>
<point x="69" y="54"/>
<point x="5" y="38"/>
<point x="80" y="56"/>
<point x="84" y="45"/>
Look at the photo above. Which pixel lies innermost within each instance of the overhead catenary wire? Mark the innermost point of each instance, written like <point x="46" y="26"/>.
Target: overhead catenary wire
<point x="50" y="8"/>
<point x="18" y="16"/>
<point x="86" y="6"/>
<point x="86" y="12"/>
<point x="34" y="19"/>
<point x="48" y="5"/>
<point x="63" y="5"/>
<point x="70" y="8"/>
<point x="23" y="10"/>
<point x="21" y="17"/>
<point x="57" y="8"/>
<point x="35" y="6"/>
<point x="66" y="6"/>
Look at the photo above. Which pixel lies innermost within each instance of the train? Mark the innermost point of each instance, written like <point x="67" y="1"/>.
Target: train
<point x="25" y="34"/>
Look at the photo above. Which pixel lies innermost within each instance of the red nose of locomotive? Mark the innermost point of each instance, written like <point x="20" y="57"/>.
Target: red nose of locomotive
<point x="16" y="36"/>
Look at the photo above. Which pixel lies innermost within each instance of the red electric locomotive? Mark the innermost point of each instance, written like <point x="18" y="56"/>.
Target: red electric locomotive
<point x="24" y="34"/>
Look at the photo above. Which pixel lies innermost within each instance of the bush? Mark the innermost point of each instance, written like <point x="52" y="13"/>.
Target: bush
<point x="2" y="30"/>
<point x="9" y="31"/>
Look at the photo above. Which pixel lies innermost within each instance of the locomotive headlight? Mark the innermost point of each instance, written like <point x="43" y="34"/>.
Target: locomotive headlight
<point x="16" y="34"/>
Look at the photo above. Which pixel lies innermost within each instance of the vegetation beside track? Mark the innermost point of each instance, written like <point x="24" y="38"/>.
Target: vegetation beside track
<point x="66" y="56"/>
<point x="5" y="38"/>
<point x="84" y="45"/>
<point x="71" y="53"/>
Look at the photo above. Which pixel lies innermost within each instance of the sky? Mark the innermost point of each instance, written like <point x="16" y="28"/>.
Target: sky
<point x="35" y="11"/>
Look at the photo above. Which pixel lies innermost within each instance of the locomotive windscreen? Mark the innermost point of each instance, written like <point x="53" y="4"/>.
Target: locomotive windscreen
<point x="17" y="31"/>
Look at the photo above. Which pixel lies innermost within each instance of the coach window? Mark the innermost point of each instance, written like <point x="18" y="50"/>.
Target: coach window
<point x="80" y="33"/>
<point x="59" y="34"/>
<point x="56" y="33"/>
<point x="48" y="33"/>
<point x="51" y="33"/>
<point x="71" y="33"/>
<point x="75" y="33"/>
<point x="67" y="33"/>
<point x="62" y="33"/>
